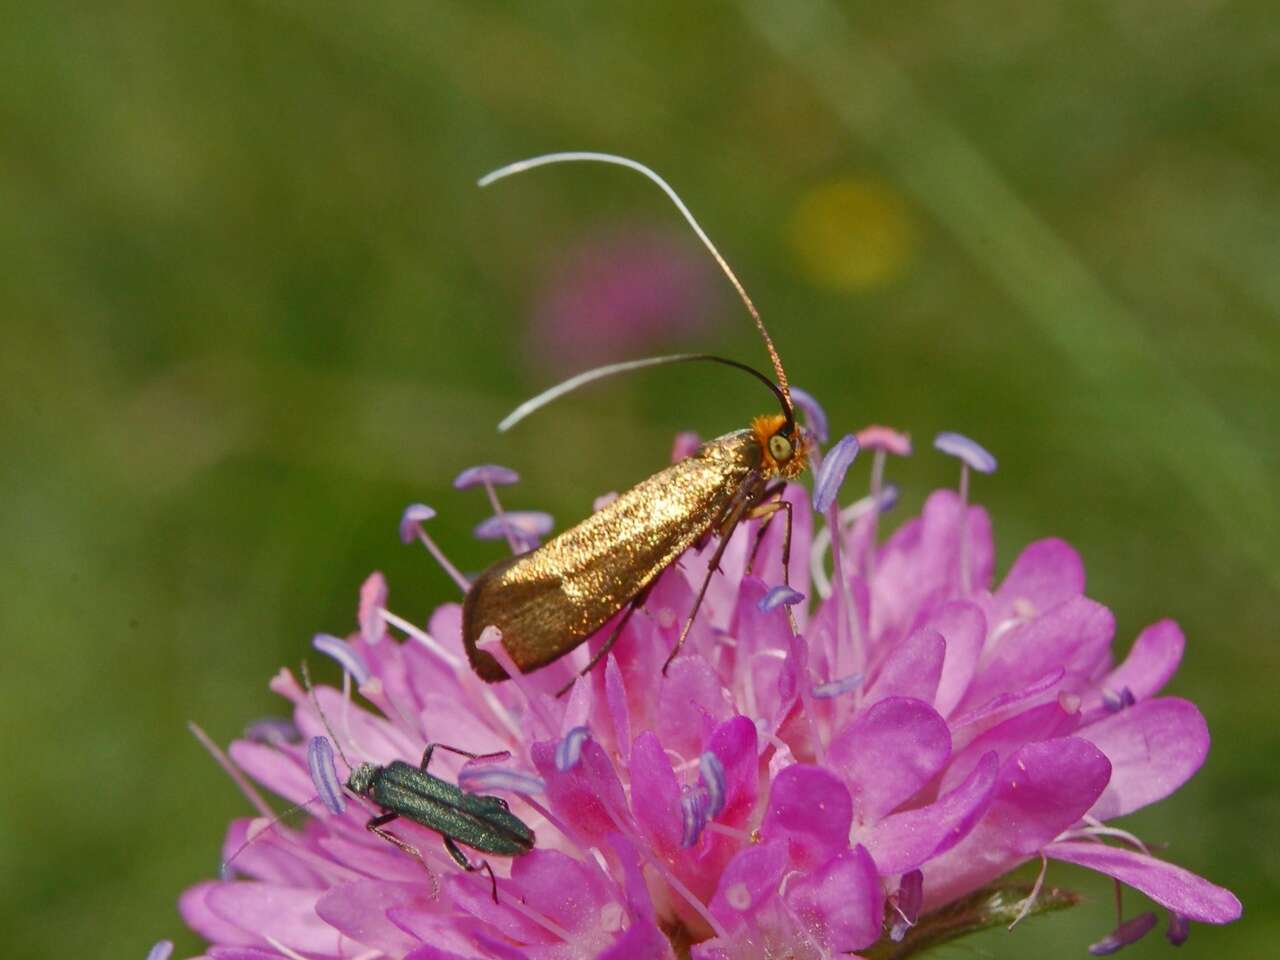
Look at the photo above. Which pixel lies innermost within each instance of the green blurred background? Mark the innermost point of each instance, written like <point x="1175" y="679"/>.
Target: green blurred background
<point x="253" y="305"/>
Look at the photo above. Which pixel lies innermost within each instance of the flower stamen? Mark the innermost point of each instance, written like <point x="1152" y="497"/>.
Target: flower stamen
<point x="411" y="526"/>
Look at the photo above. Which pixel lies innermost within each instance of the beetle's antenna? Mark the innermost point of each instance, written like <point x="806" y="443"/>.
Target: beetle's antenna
<point x="253" y="836"/>
<point x="315" y="702"/>
<point x="612" y="369"/>
<point x="587" y="155"/>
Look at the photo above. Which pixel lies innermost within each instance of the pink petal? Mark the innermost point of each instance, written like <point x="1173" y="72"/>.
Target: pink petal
<point x="1042" y="722"/>
<point x="1173" y="887"/>
<point x="748" y="880"/>
<point x="903" y="841"/>
<point x="841" y="903"/>
<point x="919" y="565"/>
<point x="579" y="796"/>
<point x="1154" y="748"/>
<point x="197" y="914"/>
<point x="268" y="856"/>
<point x="358" y="911"/>
<point x="691" y="701"/>
<point x="912" y="669"/>
<point x="734" y="743"/>
<point x="1002" y="706"/>
<point x="1045" y="574"/>
<point x="1042" y="789"/>
<point x="286" y="914"/>
<point x="1152" y="661"/>
<point x="279" y="771"/>
<point x="615" y="694"/>
<point x="811" y="809"/>
<point x="642" y="940"/>
<point x="888" y="753"/>
<point x="655" y="794"/>
<point x="1074" y="636"/>
<point x="445" y="627"/>
<point x="568" y="891"/>
<point x="964" y="628"/>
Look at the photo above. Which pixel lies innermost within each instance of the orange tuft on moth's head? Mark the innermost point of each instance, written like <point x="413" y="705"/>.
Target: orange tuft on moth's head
<point x="782" y="455"/>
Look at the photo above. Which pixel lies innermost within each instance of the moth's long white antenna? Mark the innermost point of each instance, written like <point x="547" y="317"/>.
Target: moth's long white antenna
<point x="573" y="383"/>
<point x="587" y="155"/>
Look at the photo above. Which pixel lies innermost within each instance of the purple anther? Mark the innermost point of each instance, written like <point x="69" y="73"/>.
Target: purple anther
<point x="969" y="451"/>
<point x="489" y="474"/>
<point x="526" y="525"/>
<point x="834" y="688"/>
<point x="1179" y="929"/>
<point x="343" y="652"/>
<point x="888" y="498"/>
<point x="414" y="514"/>
<point x="276" y="731"/>
<point x="485" y="778"/>
<point x="162" y="950"/>
<point x="907" y="903"/>
<point x="373" y="600"/>
<point x="711" y="772"/>
<point x="569" y="749"/>
<point x="325" y="776"/>
<point x="815" y="418"/>
<point x="831" y="473"/>
<point x="1131" y="931"/>
<point x="602" y="501"/>
<point x="686" y="445"/>
<point x="693" y="814"/>
<point x="778" y="596"/>
<point x="889" y="440"/>
<point x="1117" y="700"/>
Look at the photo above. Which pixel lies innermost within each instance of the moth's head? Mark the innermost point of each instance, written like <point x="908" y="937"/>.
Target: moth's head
<point x="783" y="447"/>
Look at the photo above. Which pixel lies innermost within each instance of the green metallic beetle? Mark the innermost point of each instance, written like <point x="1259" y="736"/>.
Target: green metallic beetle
<point x="479" y="821"/>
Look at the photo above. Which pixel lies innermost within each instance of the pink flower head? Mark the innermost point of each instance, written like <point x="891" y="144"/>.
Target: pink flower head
<point x="922" y="731"/>
<point x="621" y="291"/>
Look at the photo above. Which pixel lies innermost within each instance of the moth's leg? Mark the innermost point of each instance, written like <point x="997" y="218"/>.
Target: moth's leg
<point x="767" y="511"/>
<point x="432" y="747"/>
<point x="616" y="632"/>
<point x="767" y="515"/>
<point x="461" y="860"/>
<point x="726" y="531"/>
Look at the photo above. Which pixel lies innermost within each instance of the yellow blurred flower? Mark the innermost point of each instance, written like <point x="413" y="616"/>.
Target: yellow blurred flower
<point x="852" y="234"/>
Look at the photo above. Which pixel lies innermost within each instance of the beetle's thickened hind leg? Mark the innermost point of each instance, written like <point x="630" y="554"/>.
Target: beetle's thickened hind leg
<point x="461" y="860"/>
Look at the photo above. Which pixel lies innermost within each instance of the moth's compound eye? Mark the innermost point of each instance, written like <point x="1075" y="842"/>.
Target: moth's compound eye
<point x="779" y="447"/>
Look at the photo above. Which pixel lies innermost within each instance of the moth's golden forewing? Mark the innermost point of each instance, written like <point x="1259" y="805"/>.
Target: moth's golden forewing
<point x="549" y="600"/>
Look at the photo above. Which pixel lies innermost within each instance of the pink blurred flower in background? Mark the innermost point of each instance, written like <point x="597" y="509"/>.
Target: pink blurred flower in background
<point x="623" y="290"/>
<point x="862" y="782"/>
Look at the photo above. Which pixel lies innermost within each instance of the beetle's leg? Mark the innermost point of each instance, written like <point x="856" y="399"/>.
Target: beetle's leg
<point x="608" y="644"/>
<point x="461" y="860"/>
<point x="432" y="747"/>
<point x="375" y="826"/>
<point x="767" y="515"/>
<point x="725" y="532"/>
